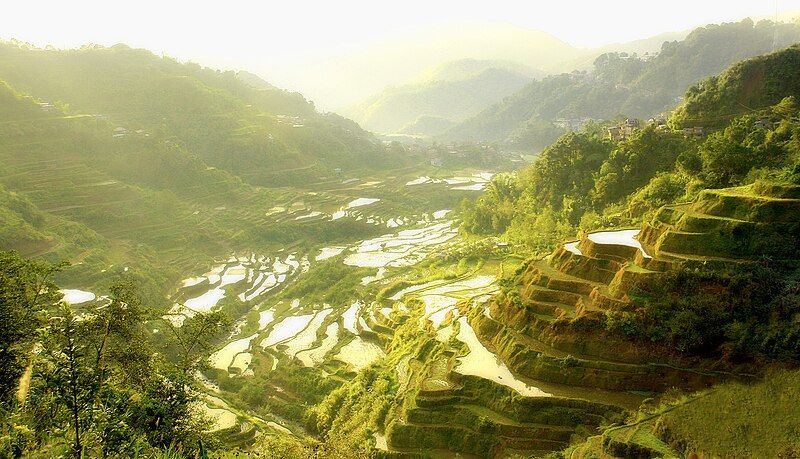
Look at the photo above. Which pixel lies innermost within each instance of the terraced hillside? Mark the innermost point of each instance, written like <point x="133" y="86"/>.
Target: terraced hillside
<point x="527" y="328"/>
<point x="536" y="326"/>
<point x="265" y="135"/>
<point x="136" y="205"/>
<point x="457" y="365"/>
<point x="450" y="392"/>
<point x="759" y="220"/>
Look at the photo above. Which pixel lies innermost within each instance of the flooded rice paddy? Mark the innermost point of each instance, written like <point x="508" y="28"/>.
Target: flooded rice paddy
<point x="483" y="363"/>
<point x="74" y="296"/>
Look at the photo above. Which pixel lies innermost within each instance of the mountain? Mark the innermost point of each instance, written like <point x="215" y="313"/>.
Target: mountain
<point x="251" y="79"/>
<point x="621" y="84"/>
<point x="435" y="95"/>
<point x="351" y="78"/>
<point x="746" y="87"/>
<point x="644" y="46"/>
<point x="238" y="123"/>
<point x="713" y="223"/>
<point x="464" y="69"/>
<point x="114" y="157"/>
<point x="450" y="92"/>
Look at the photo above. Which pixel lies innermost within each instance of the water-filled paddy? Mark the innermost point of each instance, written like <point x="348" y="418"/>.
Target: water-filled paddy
<point x="306" y="338"/>
<point x="573" y="247"/>
<point x="329" y="252"/>
<point x="287" y="328"/>
<point x="472" y="187"/>
<point x="309" y="215"/>
<point x="206" y="301"/>
<point x="265" y="318"/>
<point x="361" y="202"/>
<point x="622" y="237"/>
<point x="73" y="296"/>
<point x="350" y="317"/>
<point x="222" y="358"/>
<point x="315" y="356"/>
<point x="221" y="418"/>
<point x="482" y="363"/>
<point x="403" y="248"/>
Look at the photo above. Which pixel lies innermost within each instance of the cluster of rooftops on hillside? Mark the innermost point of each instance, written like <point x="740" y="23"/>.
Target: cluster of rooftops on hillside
<point x="626" y="128"/>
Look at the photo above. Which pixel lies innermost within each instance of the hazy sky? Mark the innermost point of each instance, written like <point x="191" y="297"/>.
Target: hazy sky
<point x="283" y="29"/>
<point x="289" y="34"/>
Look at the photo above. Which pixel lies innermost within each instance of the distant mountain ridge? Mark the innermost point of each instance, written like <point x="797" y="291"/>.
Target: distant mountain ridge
<point x="621" y="84"/>
<point x="450" y="92"/>
<point x="464" y="69"/>
<point x="232" y="121"/>
<point x="396" y="61"/>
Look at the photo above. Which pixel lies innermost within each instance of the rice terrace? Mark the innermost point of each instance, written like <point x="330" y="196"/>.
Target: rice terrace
<point x="456" y="230"/>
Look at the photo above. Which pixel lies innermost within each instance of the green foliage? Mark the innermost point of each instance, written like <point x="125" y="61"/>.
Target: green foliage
<point x="634" y="162"/>
<point x="629" y="84"/>
<point x="93" y="384"/>
<point x="728" y="156"/>
<point x="545" y="201"/>
<point x="664" y="188"/>
<point x="493" y="211"/>
<point x="329" y="281"/>
<point x="27" y="292"/>
<point x="348" y="416"/>
<point x="753" y="84"/>
<point x="561" y="169"/>
<point x="740" y="312"/>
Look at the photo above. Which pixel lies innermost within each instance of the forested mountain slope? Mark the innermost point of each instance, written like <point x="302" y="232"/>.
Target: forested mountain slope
<point x="118" y="162"/>
<point x="746" y="87"/>
<point x="671" y="243"/>
<point x="622" y="84"/>
<point x="451" y="93"/>
<point x="585" y="178"/>
<point x="255" y="132"/>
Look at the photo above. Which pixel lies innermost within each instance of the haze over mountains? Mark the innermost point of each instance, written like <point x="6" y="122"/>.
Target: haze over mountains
<point x="430" y="103"/>
<point x="440" y="97"/>
<point x="351" y="78"/>
<point x="621" y="85"/>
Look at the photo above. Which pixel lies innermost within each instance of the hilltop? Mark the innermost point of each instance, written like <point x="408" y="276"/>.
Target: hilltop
<point x="258" y="132"/>
<point x="746" y="87"/>
<point x="622" y="84"/>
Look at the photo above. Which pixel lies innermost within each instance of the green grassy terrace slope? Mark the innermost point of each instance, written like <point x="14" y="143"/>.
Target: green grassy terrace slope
<point x="260" y="133"/>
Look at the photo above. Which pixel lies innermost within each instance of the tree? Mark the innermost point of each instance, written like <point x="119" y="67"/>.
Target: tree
<point x="83" y="353"/>
<point x="26" y="292"/>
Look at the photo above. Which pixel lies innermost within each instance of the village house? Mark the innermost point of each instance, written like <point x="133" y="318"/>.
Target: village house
<point x="623" y="130"/>
<point x="765" y="123"/>
<point x="696" y="132"/>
